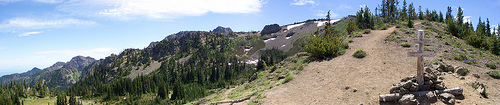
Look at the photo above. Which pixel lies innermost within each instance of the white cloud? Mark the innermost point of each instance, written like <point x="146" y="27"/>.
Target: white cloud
<point x="467" y="19"/>
<point x="30" y="33"/>
<point x="95" y="53"/>
<point x="157" y="9"/>
<point x="49" y="1"/>
<point x="38" y="57"/>
<point x="39" y="1"/>
<point x="7" y="1"/>
<point x="30" y="23"/>
<point x="302" y="2"/>
<point x="362" y="6"/>
<point x="344" y="7"/>
<point x="323" y="14"/>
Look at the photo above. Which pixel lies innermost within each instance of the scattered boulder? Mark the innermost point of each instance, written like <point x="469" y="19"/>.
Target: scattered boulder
<point x="439" y="86"/>
<point x="272" y="28"/>
<point x="253" y="77"/>
<point x="476" y="75"/>
<point x="447" y="98"/>
<point x="431" y="96"/>
<point x="408" y="99"/>
<point x="448" y="68"/>
<point x="461" y="70"/>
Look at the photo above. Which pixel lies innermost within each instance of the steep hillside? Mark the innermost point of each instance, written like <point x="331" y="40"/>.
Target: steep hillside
<point x="60" y="75"/>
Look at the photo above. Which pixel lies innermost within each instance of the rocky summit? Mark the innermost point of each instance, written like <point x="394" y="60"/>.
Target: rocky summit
<point x="272" y="28"/>
<point x="221" y="29"/>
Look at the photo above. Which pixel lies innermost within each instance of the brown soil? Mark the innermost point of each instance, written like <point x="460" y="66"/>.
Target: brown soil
<point x="348" y="80"/>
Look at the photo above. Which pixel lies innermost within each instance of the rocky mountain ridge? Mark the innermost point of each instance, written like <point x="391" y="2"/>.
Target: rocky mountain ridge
<point x="57" y="70"/>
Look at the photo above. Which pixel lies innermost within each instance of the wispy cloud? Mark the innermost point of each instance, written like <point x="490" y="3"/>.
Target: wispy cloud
<point x="30" y="33"/>
<point x="49" y="1"/>
<point x="343" y="7"/>
<point x="362" y="6"/>
<point x="321" y="13"/>
<point x="7" y="1"/>
<point x="467" y="19"/>
<point x="29" y="23"/>
<point x="302" y="2"/>
<point x="96" y="52"/>
<point x="158" y="9"/>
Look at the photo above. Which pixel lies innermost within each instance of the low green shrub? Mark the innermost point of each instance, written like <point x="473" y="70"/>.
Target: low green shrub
<point x="384" y="27"/>
<point x="404" y="44"/>
<point x="494" y="74"/>
<point x="325" y="45"/>
<point x="398" y="26"/>
<point x="491" y="65"/>
<point x="288" y="79"/>
<point x="359" y="54"/>
<point x="367" y="31"/>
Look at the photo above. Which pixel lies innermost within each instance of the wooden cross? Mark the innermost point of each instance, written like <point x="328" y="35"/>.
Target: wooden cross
<point x="420" y="53"/>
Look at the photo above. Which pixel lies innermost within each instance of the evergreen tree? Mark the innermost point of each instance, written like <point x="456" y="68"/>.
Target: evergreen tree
<point x="441" y="17"/>
<point x="488" y="29"/>
<point x="460" y="17"/>
<point x="61" y="99"/>
<point x="162" y="91"/>
<point x="72" y="99"/>
<point x="351" y="27"/>
<point x="420" y="13"/>
<point x="411" y="11"/>
<point x="404" y="11"/>
<point x="410" y="23"/>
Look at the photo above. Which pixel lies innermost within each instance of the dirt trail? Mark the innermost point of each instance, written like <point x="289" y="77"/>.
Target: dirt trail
<point x="349" y="80"/>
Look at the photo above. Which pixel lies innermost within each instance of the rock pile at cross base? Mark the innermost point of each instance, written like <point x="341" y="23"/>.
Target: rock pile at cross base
<point x="408" y="91"/>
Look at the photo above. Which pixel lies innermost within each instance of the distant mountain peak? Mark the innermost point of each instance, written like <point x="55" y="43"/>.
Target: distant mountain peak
<point x="221" y="29"/>
<point x="79" y="62"/>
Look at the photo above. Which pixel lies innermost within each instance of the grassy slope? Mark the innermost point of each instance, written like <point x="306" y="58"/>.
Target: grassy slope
<point x="265" y="80"/>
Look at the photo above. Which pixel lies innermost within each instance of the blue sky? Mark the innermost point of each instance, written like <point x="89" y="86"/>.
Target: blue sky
<point x="38" y="33"/>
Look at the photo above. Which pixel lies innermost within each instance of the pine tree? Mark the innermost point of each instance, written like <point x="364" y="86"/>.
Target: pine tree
<point x="351" y="27"/>
<point x="488" y="29"/>
<point x="411" y="11"/>
<point x="404" y="11"/>
<point x="460" y="17"/>
<point x="441" y="17"/>
<point x="420" y="13"/>
<point x="162" y="91"/>
<point x="410" y="23"/>
<point x="72" y="99"/>
<point x="61" y="99"/>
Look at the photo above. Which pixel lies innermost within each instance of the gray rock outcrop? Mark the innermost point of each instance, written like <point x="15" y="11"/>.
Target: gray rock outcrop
<point x="272" y="28"/>
<point x="221" y="29"/>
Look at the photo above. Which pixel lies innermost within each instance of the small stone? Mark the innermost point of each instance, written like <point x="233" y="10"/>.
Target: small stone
<point x="403" y="90"/>
<point x="428" y="70"/>
<point x="461" y="70"/>
<point x="408" y="99"/>
<point x="462" y="78"/>
<point x="424" y="87"/>
<point x="395" y="89"/>
<point x="476" y="75"/>
<point x="437" y="81"/>
<point x="347" y="88"/>
<point x="447" y="98"/>
<point x="354" y="90"/>
<point x="441" y="77"/>
<point x="440" y="86"/>
<point x="449" y="68"/>
<point x="431" y="96"/>
<point x="414" y="87"/>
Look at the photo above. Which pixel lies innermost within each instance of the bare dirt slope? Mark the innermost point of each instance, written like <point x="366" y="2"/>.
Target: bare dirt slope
<point x="349" y="80"/>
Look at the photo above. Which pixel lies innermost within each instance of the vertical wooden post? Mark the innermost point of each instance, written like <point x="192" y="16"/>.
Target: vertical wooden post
<point x="420" y="60"/>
